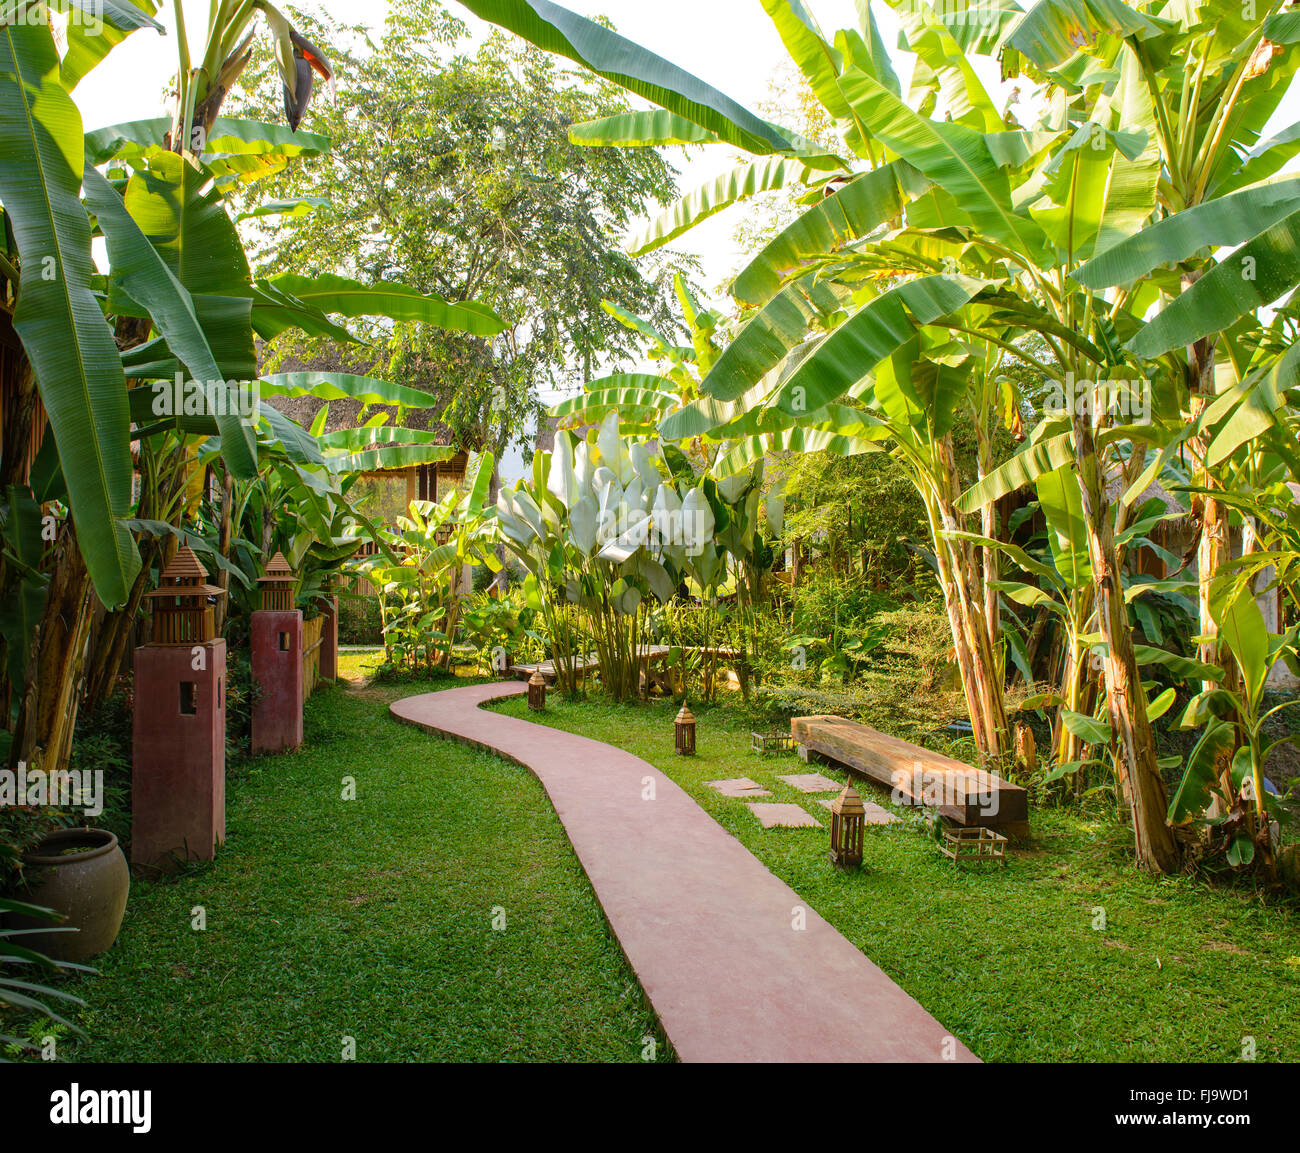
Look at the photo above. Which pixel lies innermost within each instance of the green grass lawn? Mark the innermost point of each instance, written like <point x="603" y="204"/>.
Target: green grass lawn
<point x="371" y="918"/>
<point x="1009" y="958"/>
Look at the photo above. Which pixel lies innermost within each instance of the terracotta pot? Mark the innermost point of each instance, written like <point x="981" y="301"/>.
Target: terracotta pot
<point x="87" y="886"/>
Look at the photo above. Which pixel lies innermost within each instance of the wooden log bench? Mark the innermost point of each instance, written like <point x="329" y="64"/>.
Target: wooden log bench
<point x="916" y="776"/>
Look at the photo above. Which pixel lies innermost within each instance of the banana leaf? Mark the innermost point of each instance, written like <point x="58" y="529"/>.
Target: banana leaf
<point x="1253" y="277"/>
<point x="749" y="179"/>
<point x="861" y="206"/>
<point x="74" y="357"/>
<point x="555" y="29"/>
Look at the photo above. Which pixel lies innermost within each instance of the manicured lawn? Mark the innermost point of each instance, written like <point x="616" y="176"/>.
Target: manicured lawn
<point x="1008" y="959"/>
<point x="372" y="918"/>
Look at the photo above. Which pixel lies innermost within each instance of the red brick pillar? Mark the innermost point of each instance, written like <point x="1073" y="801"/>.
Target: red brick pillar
<point x="329" y="640"/>
<point x="276" y="658"/>
<point x="178" y="775"/>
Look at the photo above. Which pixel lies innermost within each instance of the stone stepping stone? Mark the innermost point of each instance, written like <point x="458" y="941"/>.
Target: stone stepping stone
<point x="739" y="787"/>
<point x="875" y="814"/>
<point x="784" y="816"/>
<point x="811" y="782"/>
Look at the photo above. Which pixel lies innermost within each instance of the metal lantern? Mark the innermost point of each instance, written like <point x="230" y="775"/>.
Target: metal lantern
<point x="685" y="729"/>
<point x="848" y="818"/>
<point x="537" y="691"/>
<point x="276" y="584"/>
<point x="182" y="614"/>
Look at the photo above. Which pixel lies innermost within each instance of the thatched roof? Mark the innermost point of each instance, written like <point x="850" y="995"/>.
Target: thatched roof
<point x="1115" y="488"/>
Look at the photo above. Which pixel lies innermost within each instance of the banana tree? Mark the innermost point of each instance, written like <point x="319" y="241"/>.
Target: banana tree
<point x="1235" y="719"/>
<point x="202" y="83"/>
<point x="811" y="338"/>
<point x="60" y="357"/>
<point x="178" y="276"/>
<point x="1188" y="104"/>
<point x="1143" y="119"/>
<point x="1061" y="585"/>
<point x="179" y="287"/>
<point x="643" y="399"/>
<point x="421" y="580"/>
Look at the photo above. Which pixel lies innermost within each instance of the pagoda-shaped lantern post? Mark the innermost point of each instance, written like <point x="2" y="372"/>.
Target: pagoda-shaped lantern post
<point x="275" y="639"/>
<point x="276" y="585"/>
<point x="848" y="816"/>
<point x="178" y="776"/>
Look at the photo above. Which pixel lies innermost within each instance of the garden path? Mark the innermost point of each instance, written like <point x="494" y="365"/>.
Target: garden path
<point x="735" y="963"/>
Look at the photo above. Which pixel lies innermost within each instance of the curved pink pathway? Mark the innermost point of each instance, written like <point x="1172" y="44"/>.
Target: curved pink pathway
<point x="709" y="931"/>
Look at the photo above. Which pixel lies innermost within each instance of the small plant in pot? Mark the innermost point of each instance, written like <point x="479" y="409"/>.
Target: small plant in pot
<point x="82" y="875"/>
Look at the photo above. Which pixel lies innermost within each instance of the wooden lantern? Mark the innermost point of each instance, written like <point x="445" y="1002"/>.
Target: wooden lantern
<point x="537" y="691"/>
<point x="276" y="585"/>
<point x="181" y="612"/>
<point x="685" y="729"/>
<point x="848" y="818"/>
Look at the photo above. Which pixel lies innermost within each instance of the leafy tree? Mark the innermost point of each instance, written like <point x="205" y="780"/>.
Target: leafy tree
<point x="454" y="173"/>
<point x="859" y="504"/>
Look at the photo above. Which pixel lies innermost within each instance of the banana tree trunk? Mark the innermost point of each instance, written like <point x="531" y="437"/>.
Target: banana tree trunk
<point x="988" y="530"/>
<point x="224" y="543"/>
<point x="980" y="676"/>
<point x="48" y="714"/>
<point x="1066" y="746"/>
<point x="965" y="588"/>
<point x="1078" y="686"/>
<point x="1214" y="544"/>
<point x="1213" y="548"/>
<point x="989" y="559"/>
<point x="1034" y="646"/>
<point x="20" y="408"/>
<point x="1135" y="754"/>
<point x="47" y="707"/>
<point x="109" y="644"/>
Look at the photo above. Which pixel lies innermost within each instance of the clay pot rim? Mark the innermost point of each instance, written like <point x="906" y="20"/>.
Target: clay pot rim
<point x="38" y="857"/>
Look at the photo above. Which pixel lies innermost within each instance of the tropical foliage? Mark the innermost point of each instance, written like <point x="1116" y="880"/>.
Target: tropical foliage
<point x="1074" y="235"/>
<point x="422" y="589"/>
<point x="610" y="528"/>
<point x="148" y="374"/>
